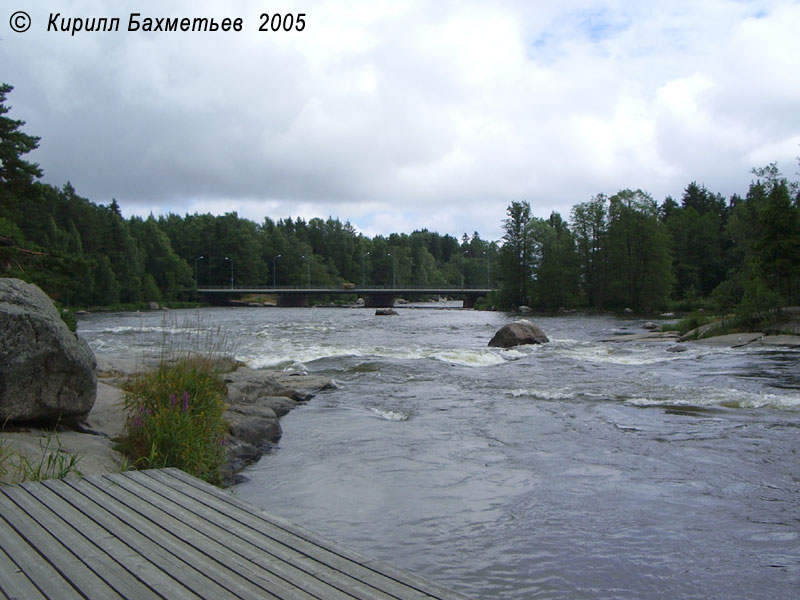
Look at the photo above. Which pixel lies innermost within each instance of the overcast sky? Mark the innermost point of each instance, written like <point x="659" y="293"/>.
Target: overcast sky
<point x="400" y="115"/>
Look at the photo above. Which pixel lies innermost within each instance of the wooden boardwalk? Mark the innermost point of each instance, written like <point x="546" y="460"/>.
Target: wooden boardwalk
<point x="163" y="534"/>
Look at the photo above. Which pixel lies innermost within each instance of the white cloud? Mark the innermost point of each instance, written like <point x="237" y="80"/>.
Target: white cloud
<point x="410" y="114"/>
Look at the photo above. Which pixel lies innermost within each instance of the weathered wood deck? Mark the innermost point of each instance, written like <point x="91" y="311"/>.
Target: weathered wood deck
<point x="164" y="534"/>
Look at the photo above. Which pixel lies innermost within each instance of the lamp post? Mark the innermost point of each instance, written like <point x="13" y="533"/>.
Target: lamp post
<point x="275" y="270"/>
<point x="363" y="279"/>
<point x="231" y="261"/>
<point x="488" y="271"/>
<point x="394" y="270"/>
<point x="195" y="269"/>
<point x="308" y="271"/>
<point x="462" y="268"/>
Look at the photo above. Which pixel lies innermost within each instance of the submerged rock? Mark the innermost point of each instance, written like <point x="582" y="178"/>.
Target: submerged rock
<point x="46" y="371"/>
<point x="518" y="333"/>
<point x="383" y="312"/>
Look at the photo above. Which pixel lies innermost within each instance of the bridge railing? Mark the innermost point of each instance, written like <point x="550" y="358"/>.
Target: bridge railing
<point x="358" y="288"/>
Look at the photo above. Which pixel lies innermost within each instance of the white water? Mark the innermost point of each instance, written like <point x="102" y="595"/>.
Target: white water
<point x="575" y="469"/>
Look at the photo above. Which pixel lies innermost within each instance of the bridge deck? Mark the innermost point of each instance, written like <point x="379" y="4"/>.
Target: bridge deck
<point x="400" y="291"/>
<point x="164" y="534"/>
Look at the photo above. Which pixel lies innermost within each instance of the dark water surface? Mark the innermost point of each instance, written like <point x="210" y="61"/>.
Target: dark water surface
<point x="575" y="469"/>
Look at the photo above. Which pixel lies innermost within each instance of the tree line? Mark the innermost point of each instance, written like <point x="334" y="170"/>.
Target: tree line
<point x="622" y="251"/>
<point x="85" y="254"/>
<point x="627" y="251"/>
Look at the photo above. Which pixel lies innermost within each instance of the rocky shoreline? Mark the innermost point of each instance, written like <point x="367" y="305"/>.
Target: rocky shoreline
<point x="257" y="399"/>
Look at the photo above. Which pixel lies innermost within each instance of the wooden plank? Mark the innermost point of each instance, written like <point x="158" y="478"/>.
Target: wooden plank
<point x="377" y="573"/>
<point x="254" y="544"/>
<point x="19" y="542"/>
<point x="251" y="579"/>
<point x="188" y="563"/>
<point x="117" y="563"/>
<point x="318" y="550"/>
<point x="87" y="553"/>
<point x="166" y="535"/>
<point x="315" y="560"/>
<point x="186" y="581"/>
<point x="243" y="547"/>
<point x="14" y="584"/>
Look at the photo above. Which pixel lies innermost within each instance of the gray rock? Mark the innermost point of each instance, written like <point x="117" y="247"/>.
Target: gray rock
<point x="518" y="333"/>
<point x="651" y="336"/>
<point x="256" y="401"/>
<point x="256" y="425"/>
<point x="385" y="312"/>
<point x="46" y="371"/>
<point x="677" y="348"/>
<point x="784" y="327"/>
<point x="706" y="330"/>
<point x="650" y="325"/>
<point x="788" y="341"/>
<point x="525" y="309"/>
<point x="732" y="340"/>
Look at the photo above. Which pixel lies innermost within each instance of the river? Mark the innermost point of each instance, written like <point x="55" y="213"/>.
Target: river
<point x="575" y="469"/>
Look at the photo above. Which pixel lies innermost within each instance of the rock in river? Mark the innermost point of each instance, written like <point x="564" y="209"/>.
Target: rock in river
<point x="518" y="333"/>
<point x="46" y="371"/>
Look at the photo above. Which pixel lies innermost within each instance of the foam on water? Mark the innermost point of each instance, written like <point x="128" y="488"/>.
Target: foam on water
<point x="543" y="394"/>
<point x="294" y="354"/>
<point x="389" y="415"/>
<point x="714" y="397"/>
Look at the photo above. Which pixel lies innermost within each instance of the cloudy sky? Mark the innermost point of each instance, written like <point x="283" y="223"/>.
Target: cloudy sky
<point x="400" y="114"/>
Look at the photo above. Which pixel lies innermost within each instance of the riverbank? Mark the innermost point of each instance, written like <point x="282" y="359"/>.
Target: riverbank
<point x="257" y="399"/>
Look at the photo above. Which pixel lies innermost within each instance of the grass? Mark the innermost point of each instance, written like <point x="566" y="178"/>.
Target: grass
<point x="686" y="324"/>
<point x="175" y="419"/>
<point x="54" y="462"/>
<point x="175" y="412"/>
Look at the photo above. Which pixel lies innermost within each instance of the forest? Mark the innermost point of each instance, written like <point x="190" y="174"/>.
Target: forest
<point x="626" y="250"/>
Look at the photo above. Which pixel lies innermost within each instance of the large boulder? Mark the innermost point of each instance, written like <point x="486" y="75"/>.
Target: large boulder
<point x="518" y="333"/>
<point x="46" y="371"/>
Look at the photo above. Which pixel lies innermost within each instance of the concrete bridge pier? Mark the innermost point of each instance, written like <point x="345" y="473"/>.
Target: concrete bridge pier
<point x="292" y="300"/>
<point x="378" y="300"/>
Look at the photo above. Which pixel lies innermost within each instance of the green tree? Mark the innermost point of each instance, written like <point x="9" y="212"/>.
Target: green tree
<point x="14" y="170"/>
<point x="164" y="269"/>
<point x="557" y="282"/>
<point x="777" y="243"/>
<point x="516" y="256"/>
<point x="590" y="227"/>
<point x="640" y="264"/>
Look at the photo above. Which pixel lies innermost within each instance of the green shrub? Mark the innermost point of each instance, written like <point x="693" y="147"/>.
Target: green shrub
<point x="175" y="418"/>
<point x="691" y="322"/>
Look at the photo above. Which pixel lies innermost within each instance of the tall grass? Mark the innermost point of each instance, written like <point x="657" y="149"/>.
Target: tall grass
<point x="175" y="412"/>
<point x="175" y="419"/>
<point x="53" y="462"/>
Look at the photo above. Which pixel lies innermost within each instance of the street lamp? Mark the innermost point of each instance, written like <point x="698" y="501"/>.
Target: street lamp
<point x="195" y="269"/>
<point x="231" y="261"/>
<point x="308" y="271"/>
<point x="394" y="269"/>
<point x="488" y="271"/>
<point x="363" y="279"/>
<point x="462" y="269"/>
<point x="275" y="271"/>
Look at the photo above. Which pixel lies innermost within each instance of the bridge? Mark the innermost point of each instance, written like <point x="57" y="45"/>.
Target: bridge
<point x="374" y="297"/>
